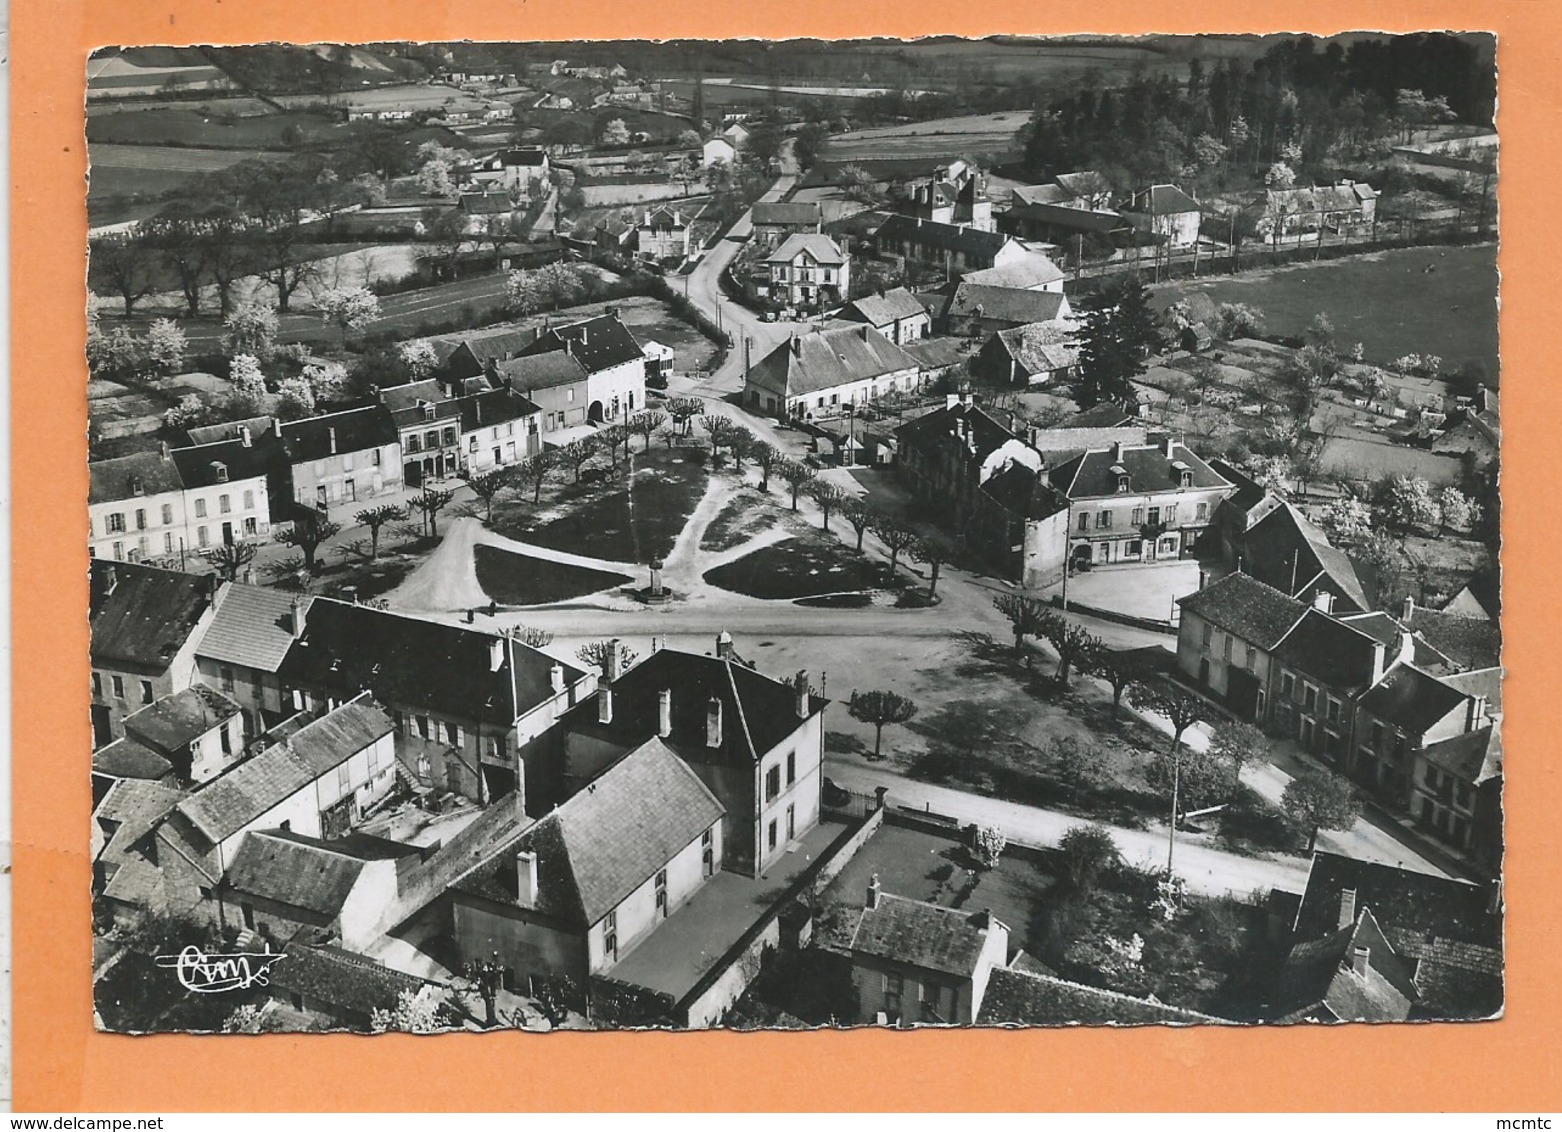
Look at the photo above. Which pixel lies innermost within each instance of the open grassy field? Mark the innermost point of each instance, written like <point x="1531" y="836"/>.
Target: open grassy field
<point x="977" y="134"/>
<point x="798" y="568"/>
<point x="521" y="579"/>
<point x="404" y="96"/>
<point x="149" y="170"/>
<point x="1387" y="301"/>
<point x="195" y="127"/>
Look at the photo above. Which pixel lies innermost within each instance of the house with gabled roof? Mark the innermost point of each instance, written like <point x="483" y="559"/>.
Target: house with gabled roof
<point x="579" y="889"/>
<point x="774" y="221"/>
<point x="519" y="170"/>
<point x="241" y="649"/>
<point x="343" y="457"/>
<point x="499" y="428"/>
<point x="916" y="963"/>
<point x="1350" y="975"/>
<point x="977" y="309"/>
<point x="1347" y="206"/>
<point x="1025" y="994"/>
<point x="945" y="247"/>
<point x="1028" y="355"/>
<point x="757" y="742"/>
<point x="282" y="884"/>
<point x="610" y="356"/>
<point x="1166" y="214"/>
<point x="1284" y="549"/>
<point x="897" y="314"/>
<point x="1226" y="637"/>
<point x="339" y="988"/>
<point x="817" y="374"/>
<point x="198" y="730"/>
<point x="1323" y="667"/>
<point x="807" y="268"/>
<point x="1448" y="931"/>
<point x="124" y="868"/>
<point x="145" y="623"/>
<point x="662" y="234"/>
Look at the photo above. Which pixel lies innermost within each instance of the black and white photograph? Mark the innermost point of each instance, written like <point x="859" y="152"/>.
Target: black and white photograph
<point x="779" y="534"/>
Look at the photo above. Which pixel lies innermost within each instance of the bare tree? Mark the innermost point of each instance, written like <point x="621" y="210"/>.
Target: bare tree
<point x="1182" y="709"/>
<point x="376" y="517"/>
<point x="895" y="535"/>
<point x="767" y="456"/>
<point x="1027" y="616"/>
<point x="611" y="437"/>
<point x="935" y="551"/>
<point x="486" y="487"/>
<point x="859" y="514"/>
<point x="530" y="635"/>
<point x="1120" y="668"/>
<point x="827" y="496"/>
<point x="230" y="558"/>
<point x="646" y="423"/>
<point x="535" y="470"/>
<point x="879" y="708"/>
<point x="307" y="533"/>
<point x="429" y="503"/>
<point x="1073" y="643"/>
<point x="577" y="452"/>
<point x="597" y="653"/>
<point x="797" y="474"/>
<point x="683" y="410"/>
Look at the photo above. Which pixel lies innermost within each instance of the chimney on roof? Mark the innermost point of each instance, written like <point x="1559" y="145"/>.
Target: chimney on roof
<point x="1360" y="960"/>
<point x="797" y="346"/>
<point x="724" y="645"/>
<point x="713" y="722"/>
<point x="296" y="618"/>
<point x="1347" y="908"/>
<point x="801" y="690"/>
<point x="610" y="662"/>
<point x="526" y="878"/>
<point x="496" y="654"/>
<point x="605" y="702"/>
<point x="664" y="713"/>
<point x="330" y="431"/>
<point x="556" y="678"/>
<point x="862" y="332"/>
<point x="1407" y="609"/>
<point x="1477" y="710"/>
<point x="162" y="449"/>
<point x="1032" y="435"/>
<point x="1171" y="448"/>
<point x="1323" y="601"/>
<point x="245" y="438"/>
<point x="874" y="892"/>
<point x="110" y="579"/>
<point x="1117" y="451"/>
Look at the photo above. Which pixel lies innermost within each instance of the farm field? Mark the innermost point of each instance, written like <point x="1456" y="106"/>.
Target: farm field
<point x="148" y="170"/>
<point x="237" y="106"/>
<point x="1387" y="301"/>
<point x="972" y="133"/>
<point x="192" y="127"/>
<point x="410" y="96"/>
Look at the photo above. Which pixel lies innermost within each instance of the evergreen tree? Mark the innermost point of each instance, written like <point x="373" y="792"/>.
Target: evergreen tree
<point x="1118" y="333"/>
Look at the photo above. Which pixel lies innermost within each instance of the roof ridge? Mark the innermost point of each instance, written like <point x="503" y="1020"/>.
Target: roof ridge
<point x="737" y="699"/>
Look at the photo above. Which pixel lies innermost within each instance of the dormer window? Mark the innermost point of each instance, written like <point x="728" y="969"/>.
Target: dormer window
<point x="1182" y="474"/>
<point x="1120" y="473"/>
<point x="137" y="486"/>
<point x="220" y="471"/>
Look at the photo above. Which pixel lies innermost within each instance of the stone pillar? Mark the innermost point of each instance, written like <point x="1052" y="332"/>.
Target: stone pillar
<point x="656" y="577"/>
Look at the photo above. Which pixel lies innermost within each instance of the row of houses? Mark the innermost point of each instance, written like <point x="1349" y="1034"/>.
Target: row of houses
<point x="498" y="398"/>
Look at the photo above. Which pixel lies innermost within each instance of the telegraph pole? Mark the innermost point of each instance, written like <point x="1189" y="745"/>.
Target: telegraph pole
<point x="1171" y="836"/>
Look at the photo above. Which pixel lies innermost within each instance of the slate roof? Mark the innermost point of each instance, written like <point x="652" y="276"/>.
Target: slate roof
<point x="341" y="979"/>
<point x="1034" y="270"/>
<point x="606" y="841"/>
<point x="1251" y="500"/>
<point x="1411" y="699"/>
<point x="1041" y="194"/>
<point x="406" y="396"/>
<point x="786" y="213"/>
<point x="305" y="872"/>
<point x="598" y="343"/>
<point x="490" y="345"/>
<point x="973" y="243"/>
<point x="245" y="792"/>
<point x="524" y="157"/>
<point x="1243" y="606"/>
<point x="884" y="308"/>
<point x="1459" y="981"/>
<point x="126" y="758"/>
<point x="1381" y="626"/>
<point x="663" y="218"/>
<point x="1149" y="469"/>
<point x="1105" y="415"/>
<point x="543" y="371"/>
<point x="199" y="466"/>
<point x="935" y="353"/>
<point x="1064" y="216"/>
<point x="1004" y="304"/>
<point x="1482" y="594"/>
<point x="930" y="936"/>
<point x="354" y="429"/>
<point x="1018" y="997"/>
<point x="252" y="627"/>
<point x="758" y="711"/>
<point x="147" y="618"/>
<point x="413" y="662"/>
<point x="1319" y="979"/>
<point x="814" y="244"/>
<point x="260" y="429"/>
<point x="1485" y="682"/>
<point x="932" y="428"/>
<point x="128" y="812"/>
<point x="129" y="477"/>
<point x="1284" y="544"/>
<point x="1163" y="200"/>
<point x="1413" y="909"/>
<point x="496" y="406"/>
<point x="1320" y="198"/>
<point x="1029" y="347"/>
<point x="1330" y="651"/>
<point x="177" y="720"/>
<point x="1474" y="757"/>
<point x="486" y="204"/>
<point x="827" y="360"/>
<point x="1085" y="182"/>
<point x="1021" y="492"/>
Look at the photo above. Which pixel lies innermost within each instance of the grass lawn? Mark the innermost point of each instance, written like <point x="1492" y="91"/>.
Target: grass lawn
<point x="634" y="522"/>
<point x="194" y="127"/>
<point x="798" y="567"/>
<point x="1385" y="300"/>
<point x="520" y="579"/>
<point x="744" y="516"/>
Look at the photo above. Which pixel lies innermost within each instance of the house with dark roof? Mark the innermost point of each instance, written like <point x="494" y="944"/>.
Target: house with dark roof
<point x="977" y="309"/>
<point x="897" y="314"/>
<point x="145" y="624"/>
<point x="1063" y="224"/>
<point x="945" y="247"/>
<point x="339" y="988"/>
<point x="556" y="383"/>
<point x="1166" y="214"/>
<point x="774" y="221"/>
<point x="936" y="357"/>
<point x="1350" y="975"/>
<point x="1449" y="932"/>
<point x="807" y="269"/>
<point x="1480" y="598"/>
<point x="915" y="963"/>
<point x="755" y="741"/>
<point x="318" y="781"/>
<point x="1226" y="638"/>
<point x="282" y="884"/>
<point x="817" y="374"/>
<point x="988" y="484"/>
<point x="1030" y="355"/>
<point x="1247" y="505"/>
<point x="579" y="889"/>
<point x="474" y="354"/>
<point x="428" y="429"/>
<point x="614" y="364"/>
<point x="662" y="234"/>
<point x="954" y="194"/>
<point x="1466" y="642"/>
<point x="127" y="760"/>
<point x="466" y="702"/>
<point x="241" y="649"/>
<point x="124" y="866"/>
<point x="1086" y="189"/>
<point x="198" y="730"/>
<point x="1138" y="503"/>
<point x="346" y="457"/>
<point x="1018" y="995"/>
<point x="164" y="503"/>
<point x="499" y="428"/>
<point x="521" y="170"/>
<point x="1347" y="206"/>
<point x="1323" y="667"/>
<point x="1284" y="549"/>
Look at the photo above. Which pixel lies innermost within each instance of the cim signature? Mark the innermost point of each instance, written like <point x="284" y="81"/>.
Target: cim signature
<point x="214" y="974"/>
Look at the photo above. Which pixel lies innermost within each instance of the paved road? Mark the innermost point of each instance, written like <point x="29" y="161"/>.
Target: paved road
<point x="1208" y="871"/>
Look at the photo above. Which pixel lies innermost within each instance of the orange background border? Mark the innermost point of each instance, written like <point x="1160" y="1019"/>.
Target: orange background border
<point x="61" y="1064"/>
